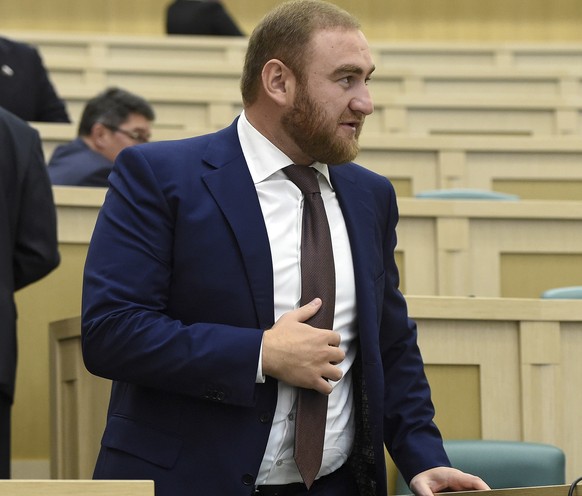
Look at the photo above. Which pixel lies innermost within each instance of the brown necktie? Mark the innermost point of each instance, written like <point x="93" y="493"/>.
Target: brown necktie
<point x="317" y="280"/>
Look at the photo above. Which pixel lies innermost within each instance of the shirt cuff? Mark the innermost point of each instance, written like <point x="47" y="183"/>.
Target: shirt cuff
<point x="260" y="377"/>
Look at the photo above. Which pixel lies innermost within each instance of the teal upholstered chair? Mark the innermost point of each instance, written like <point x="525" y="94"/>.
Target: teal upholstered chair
<point x="505" y="464"/>
<point x="465" y="194"/>
<point x="566" y="292"/>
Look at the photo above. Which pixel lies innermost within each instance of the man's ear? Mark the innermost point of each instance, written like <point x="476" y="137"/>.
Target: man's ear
<point x="99" y="136"/>
<point x="278" y="82"/>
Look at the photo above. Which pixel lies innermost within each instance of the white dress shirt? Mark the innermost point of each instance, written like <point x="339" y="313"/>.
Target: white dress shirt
<point x="282" y="206"/>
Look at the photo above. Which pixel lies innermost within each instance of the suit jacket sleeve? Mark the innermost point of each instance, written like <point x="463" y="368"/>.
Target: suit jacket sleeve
<point x="397" y="406"/>
<point x="138" y="327"/>
<point x="49" y="106"/>
<point x="411" y="436"/>
<point x="35" y="241"/>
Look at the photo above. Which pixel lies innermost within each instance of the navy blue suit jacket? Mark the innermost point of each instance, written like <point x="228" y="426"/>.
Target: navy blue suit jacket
<point x="178" y="288"/>
<point x="75" y="164"/>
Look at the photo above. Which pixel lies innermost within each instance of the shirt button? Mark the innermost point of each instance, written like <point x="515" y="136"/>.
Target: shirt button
<point x="291" y="417"/>
<point x="279" y="463"/>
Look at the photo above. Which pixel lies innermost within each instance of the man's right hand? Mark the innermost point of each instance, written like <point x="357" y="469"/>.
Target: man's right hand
<point x="302" y="355"/>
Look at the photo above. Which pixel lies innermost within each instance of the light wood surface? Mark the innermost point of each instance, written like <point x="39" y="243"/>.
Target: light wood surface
<point x="528" y="346"/>
<point x="560" y="490"/>
<point x="430" y="20"/>
<point x="202" y="108"/>
<point x="532" y="168"/>
<point x="422" y="88"/>
<point x="402" y="68"/>
<point x="100" y="50"/>
<point x="76" y="488"/>
<point x="77" y="408"/>
<point x="489" y="248"/>
<point x="466" y="247"/>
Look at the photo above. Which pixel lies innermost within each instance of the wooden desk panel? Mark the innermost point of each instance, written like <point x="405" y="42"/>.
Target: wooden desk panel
<point x="455" y="247"/>
<point x="523" y="349"/>
<point x="76" y="488"/>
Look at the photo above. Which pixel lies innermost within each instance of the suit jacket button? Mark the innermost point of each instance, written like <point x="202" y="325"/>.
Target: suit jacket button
<point x="248" y="479"/>
<point x="265" y="418"/>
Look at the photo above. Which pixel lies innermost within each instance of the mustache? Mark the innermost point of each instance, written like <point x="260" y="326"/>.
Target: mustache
<point x="354" y="118"/>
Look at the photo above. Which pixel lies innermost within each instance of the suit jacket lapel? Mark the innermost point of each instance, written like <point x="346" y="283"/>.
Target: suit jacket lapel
<point x="231" y="185"/>
<point x="359" y="217"/>
<point x="354" y="201"/>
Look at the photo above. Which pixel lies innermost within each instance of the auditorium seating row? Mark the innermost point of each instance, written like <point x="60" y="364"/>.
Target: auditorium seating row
<point x="445" y="248"/>
<point x="418" y="88"/>
<point x="456" y="117"/>
<point x="213" y="108"/>
<point x="462" y="80"/>
<point x="101" y="67"/>
<point x="97" y="50"/>
<point x="470" y="346"/>
<point x="532" y="168"/>
<point x="471" y="340"/>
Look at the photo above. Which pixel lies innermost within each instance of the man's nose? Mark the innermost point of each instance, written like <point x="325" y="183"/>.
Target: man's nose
<point x="362" y="102"/>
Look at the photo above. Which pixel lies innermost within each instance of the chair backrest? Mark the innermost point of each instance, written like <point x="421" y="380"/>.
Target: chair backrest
<point x="504" y="464"/>
<point x="566" y="292"/>
<point x="465" y="194"/>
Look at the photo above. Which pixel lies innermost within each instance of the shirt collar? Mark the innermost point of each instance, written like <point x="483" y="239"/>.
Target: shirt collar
<point x="263" y="158"/>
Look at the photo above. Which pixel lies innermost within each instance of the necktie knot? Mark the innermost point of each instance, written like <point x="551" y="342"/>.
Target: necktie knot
<point x="304" y="177"/>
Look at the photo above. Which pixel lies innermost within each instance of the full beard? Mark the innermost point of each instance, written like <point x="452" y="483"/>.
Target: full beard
<point x="307" y="124"/>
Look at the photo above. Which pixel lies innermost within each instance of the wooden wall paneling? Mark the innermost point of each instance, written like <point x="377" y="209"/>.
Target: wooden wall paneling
<point x="541" y="376"/>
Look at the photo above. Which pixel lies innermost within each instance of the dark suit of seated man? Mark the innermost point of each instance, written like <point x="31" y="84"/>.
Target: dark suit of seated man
<point x="110" y="122"/>
<point x="200" y="17"/>
<point x="25" y="87"/>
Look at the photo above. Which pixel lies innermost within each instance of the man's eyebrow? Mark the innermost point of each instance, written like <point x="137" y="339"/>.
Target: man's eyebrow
<point x="351" y="69"/>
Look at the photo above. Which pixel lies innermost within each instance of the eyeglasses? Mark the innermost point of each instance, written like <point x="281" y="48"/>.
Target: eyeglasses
<point x="138" y="136"/>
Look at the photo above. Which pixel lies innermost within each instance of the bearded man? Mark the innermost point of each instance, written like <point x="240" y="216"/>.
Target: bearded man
<point x="197" y="302"/>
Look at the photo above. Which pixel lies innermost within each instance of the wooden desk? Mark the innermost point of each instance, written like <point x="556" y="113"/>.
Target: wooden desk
<point x="489" y="248"/>
<point x="76" y="488"/>
<point x="496" y="367"/>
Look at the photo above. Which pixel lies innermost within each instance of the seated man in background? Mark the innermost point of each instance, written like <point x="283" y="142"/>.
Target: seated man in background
<point x="25" y="87"/>
<point x="200" y="17"/>
<point x="111" y="121"/>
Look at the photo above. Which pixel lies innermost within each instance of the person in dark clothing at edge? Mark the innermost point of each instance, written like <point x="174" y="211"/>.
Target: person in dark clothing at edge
<point x="25" y="86"/>
<point x="28" y="246"/>
<point x="200" y="17"/>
